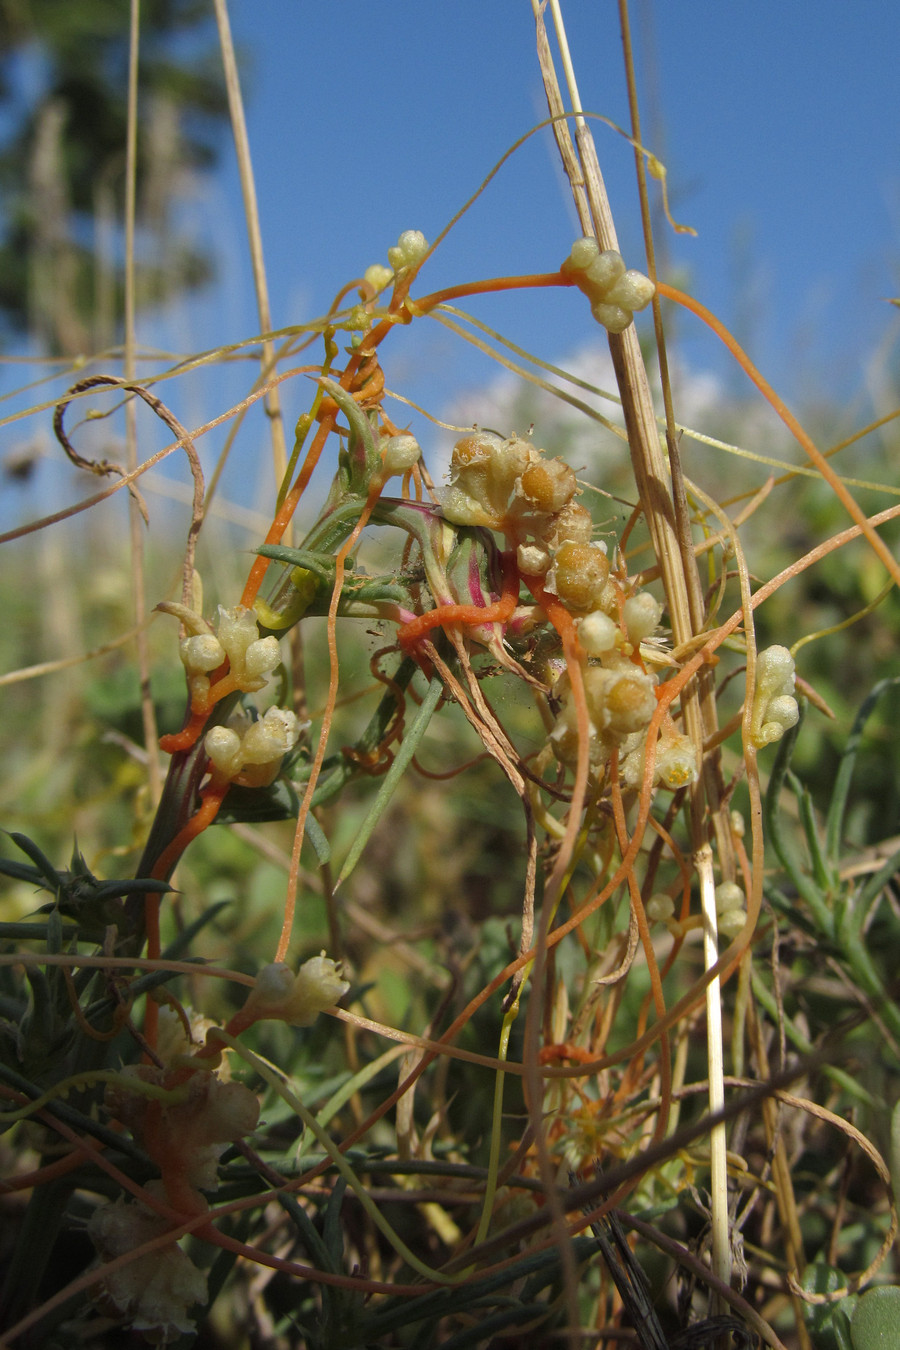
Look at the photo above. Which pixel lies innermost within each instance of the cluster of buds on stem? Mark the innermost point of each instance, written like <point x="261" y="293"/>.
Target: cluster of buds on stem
<point x="508" y="485"/>
<point x="774" y="706"/>
<point x="233" y="658"/>
<point x="407" y="253"/>
<point x="235" y="639"/>
<point x="614" y="292"/>
<point x="248" y="752"/>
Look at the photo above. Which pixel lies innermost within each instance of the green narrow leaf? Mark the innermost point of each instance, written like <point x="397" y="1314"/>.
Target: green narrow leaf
<point x="317" y="837"/>
<point x="774" y="834"/>
<point x="405" y="752"/>
<point x="824" y="876"/>
<point x="834" y="825"/>
<point x="41" y="862"/>
<point x="332" y="1233"/>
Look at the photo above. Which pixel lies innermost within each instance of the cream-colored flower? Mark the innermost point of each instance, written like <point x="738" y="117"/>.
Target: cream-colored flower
<point x="774" y="706"/>
<point x="252" y="754"/>
<point x="281" y="995"/>
<point x="615" y="294"/>
<point x="409" y="250"/>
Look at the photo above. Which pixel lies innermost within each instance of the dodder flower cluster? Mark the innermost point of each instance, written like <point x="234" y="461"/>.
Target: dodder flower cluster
<point x="510" y="486"/>
<point x="246" y="751"/>
<point x="614" y="292"/>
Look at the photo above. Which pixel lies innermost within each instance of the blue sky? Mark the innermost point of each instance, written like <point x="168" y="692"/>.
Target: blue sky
<point x="779" y="124"/>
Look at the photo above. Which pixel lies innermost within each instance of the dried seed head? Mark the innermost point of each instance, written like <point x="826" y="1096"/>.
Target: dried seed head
<point x="533" y="560"/>
<point x="548" y="485"/>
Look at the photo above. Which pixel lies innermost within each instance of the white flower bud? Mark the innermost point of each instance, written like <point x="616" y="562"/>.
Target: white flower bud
<point x="642" y="614"/>
<point x="223" y="745"/>
<point x="378" y="276"/>
<point x="410" y="249"/>
<point x="632" y="291"/>
<point x="614" y="318"/>
<point x="774" y="706"/>
<point x="399" y="454"/>
<point x="728" y="896"/>
<point x="598" y="633"/>
<point x="731" y="922"/>
<point x="660" y="908"/>
<point x="261" y="657"/>
<point x="201" y="654"/>
<point x="605" y="272"/>
<point x="775" y="671"/>
<point x="582" y="254"/>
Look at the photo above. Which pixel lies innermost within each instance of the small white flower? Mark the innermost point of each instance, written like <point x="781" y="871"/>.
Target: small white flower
<point x="642" y="614"/>
<point x="271" y="737"/>
<point x="298" y="999"/>
<point x="258" y="747"/>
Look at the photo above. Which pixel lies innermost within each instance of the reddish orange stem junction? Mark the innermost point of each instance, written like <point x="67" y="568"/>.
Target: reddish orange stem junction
<point x="470" y="616"/>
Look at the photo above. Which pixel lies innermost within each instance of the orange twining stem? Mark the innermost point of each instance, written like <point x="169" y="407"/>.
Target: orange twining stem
<point x="530" y="282"/>
<point x="211" y="799"/>
<point x="471" y="616"/>
<point x="815" y="455"/>
<point x="177" y="741"/>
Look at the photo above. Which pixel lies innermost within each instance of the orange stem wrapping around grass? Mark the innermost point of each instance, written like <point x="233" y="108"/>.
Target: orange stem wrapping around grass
<point x="530" y="282"/>
<point x="471" y="616"/>
<point x="287" y="509"/>
<point x="815" y="455"/>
